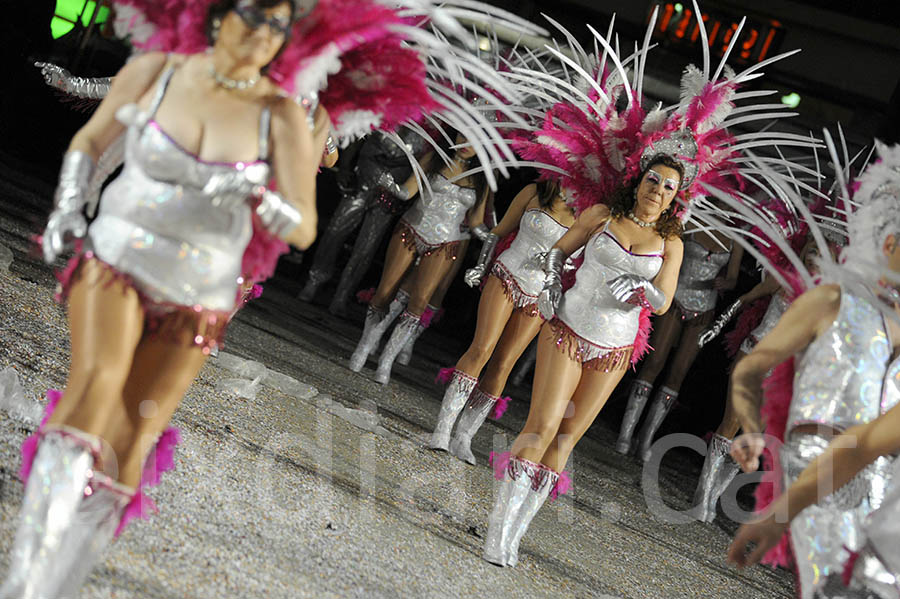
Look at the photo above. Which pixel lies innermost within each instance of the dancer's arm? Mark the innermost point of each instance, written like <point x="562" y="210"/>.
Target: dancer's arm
<point x="808" y="316"/>
<point x="584" y="227"/>
<point x="321" y="133"/>
<point x="667" y="278"/>
<point x="475" y="216"/>
<point x="847" y="455"/>
<point x="513" y="214"/>
<point x="296" y="162"/>
<point x="768" y="286"/>
<point x="129" y="85"/>
<point x="729" y="281"/>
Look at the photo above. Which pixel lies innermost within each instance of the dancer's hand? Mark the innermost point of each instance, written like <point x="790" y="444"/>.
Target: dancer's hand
<point x="764" y="534"/>
<point x="746" y="450"/>
<point x="386" y="181"/>
<point x="67" y="222"/>
<point x="63" y="228"/>
<point x="551" y="294"/>
<point x="54" y="75"/>
<point x="474" y="275"/>
<point x="633" y="289"/>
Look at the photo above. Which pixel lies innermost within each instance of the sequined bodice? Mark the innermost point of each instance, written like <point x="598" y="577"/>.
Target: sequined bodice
<point x="538" y="232"/>
<point x="589" y="308"/>
<point x="437" y="217"/>
<point x="176" y="224"/>
<point x="699" y="266"/>
<point x="778" y="305"/>
<point x="839" y="378"/>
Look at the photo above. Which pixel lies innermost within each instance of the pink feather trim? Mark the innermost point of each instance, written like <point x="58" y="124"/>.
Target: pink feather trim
<point x="500" y="463"/>
<point x="256" y="291"/>
<point x="499" y="408"/>
<point x="262" y="253"/>
<point x="444" y="375"/>
<point x="29" y="446"/>
<point x="161" y="459"/>
<point x="642" y="340"/>
<point x="364" y="296"/>
<point x="748" y="320"/>
<point x="563" y="485"/>
<point x="427" y="317"/>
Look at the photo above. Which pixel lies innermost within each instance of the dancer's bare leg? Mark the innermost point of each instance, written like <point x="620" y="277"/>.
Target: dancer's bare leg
<point x="520" y="329"/>
<point x="494" y="310"/>
<point x="556" y="377"/>
<point x="665" y="334"/>
<point x="685" y="355"/>
<point x="589" y="398"/>
<point x="397" y="262"/>
<point x="431" y="272"/>
<point x="730" y="424"/>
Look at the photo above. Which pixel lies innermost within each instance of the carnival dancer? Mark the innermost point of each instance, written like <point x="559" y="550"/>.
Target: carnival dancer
<point x="430" y="231"/>
<point x="150" y="292"/>
<point x="843" y="345"/>
<point x="508" y="317"/>
<point x="699" y="285"/>
<point x="636" y="163"/>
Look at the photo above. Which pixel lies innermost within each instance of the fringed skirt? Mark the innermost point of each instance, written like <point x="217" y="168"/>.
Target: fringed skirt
<point x="414" y="242"/>
<point x="512" y="290"/>
<point x="590" y="355"/>
<point x="169" y="322"/>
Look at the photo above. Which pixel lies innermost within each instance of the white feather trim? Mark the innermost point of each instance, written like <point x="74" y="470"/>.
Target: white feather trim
<point x="313" y="77"/>
<point x="130" y="22"/>
<point x="354" y="124"/>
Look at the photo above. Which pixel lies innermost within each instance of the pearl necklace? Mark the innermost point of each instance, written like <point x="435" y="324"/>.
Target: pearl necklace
<point x="229" y="83"/>
<point x="639" y="222"/>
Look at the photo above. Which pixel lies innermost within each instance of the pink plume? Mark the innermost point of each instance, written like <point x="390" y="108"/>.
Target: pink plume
<point x="140" y="506"/>
<point x="30" y="445"/>
<point x="642" y="340"/>
<point x="500" y="463"/>
<point x="747" y="320"/>
<point x="161" y="459"/>
<point x="563" y="485"/>
<point x="262" y="254"/>
<point x="499" y="408"/>
<point x="364" y="296"/>
<point x="444" y="375"/>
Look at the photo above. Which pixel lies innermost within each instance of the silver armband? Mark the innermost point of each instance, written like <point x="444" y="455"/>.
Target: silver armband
<point x="278" y="216"/>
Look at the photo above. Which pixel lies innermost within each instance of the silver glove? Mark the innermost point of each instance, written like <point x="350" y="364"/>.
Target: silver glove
<point x="233" y="187"/>
<point x="67" y="220"/>
<point x="386" y="180"/>
<point x="481" y="232"/>
<point x="475" y="274"/>
<point x="713" y="331"/>
<point x="278" y="216"/>
<point x="330" y="145"/>
<point x="633" y="289"/>
<point x="89" y="88"/>
<point x="551" y="294"/>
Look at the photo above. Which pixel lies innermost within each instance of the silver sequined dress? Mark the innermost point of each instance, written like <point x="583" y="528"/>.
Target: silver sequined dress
<point x="838" y="384"/>
<point x="520" y="267"/>
<point x="437" y="218"/>
<point x="600" y="327"/>
<point x="158" y="225"/>
<point x="778" y="305"/>
<point x="695" y="294"/>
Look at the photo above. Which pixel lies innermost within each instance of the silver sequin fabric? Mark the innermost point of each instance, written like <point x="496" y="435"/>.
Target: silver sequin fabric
<point x="698" y="267"/>
<point x="777" y="306"/>
<point x="179" y="244"/>
<point x="589" y="308"/>
<point x="522" y="260"/>
<point x="437" y="217"/>
<point x="839" y="377"/>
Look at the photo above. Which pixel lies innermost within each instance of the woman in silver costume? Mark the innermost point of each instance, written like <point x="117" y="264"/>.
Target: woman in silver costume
<point x="632" y="254"/>
<point x="432" y="230"/>
<point x="843" y="347"/>
<point x="699" y="284"/>
<point x="369" y="204"/>
<point x="159" y="272"/>
<point x="508" y="317"/>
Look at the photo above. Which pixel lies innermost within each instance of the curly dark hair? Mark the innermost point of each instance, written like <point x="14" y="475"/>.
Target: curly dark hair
<point x="547" y="191"/>
<point x="218" y="10"/>
<point x="622" y="201"/>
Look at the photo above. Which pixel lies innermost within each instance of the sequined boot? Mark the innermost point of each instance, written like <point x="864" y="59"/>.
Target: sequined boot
<point x="473" y="415"/>
<point x="718" y="472"/>
<point x="376" y="324"/>
<point x="458" y="390"/>
<point x="402" y="333"/>
<point x="660" y="407"/>
<point x="60" y="472"/>
<point x="517" y="478"/>
<point x="315" y="280"/>
<point x="637" y="399"/>
<point x="543" y="480"/>
<point x="406" y="353"/>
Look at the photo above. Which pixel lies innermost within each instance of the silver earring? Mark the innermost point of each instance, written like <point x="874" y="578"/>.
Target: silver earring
<point x="216" y="24"/>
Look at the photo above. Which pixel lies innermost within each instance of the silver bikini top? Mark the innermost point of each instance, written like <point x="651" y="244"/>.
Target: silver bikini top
<point x="438" y="217"/>
<point x="538" y="232"/>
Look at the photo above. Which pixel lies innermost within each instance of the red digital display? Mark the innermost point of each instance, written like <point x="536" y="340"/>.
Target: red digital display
<point x="759" y="39"/>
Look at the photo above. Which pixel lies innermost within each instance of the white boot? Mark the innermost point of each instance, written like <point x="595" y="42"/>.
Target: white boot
<point x="458" y="390"/>
<point x="718" y="472"/>
<point x="473" y="416"/>
<point x="401" y="335"/>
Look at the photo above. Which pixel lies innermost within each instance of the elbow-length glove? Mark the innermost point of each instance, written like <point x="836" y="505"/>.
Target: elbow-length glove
<point x="278" y="216"/>
<point x="88" y="88"/>
<point x="386" y="180"/>
<point x="234" y="187"/>
<point x="633" y="289"/>
<point x="67" y="220"/>
<point x="551" y="294"/>
<point x="475" y="274"/>
<point x="713" y="331"/>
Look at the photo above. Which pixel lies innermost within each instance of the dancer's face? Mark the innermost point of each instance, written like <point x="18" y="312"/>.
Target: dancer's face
<point x="465" y="151"/>
<point x="253" y="35"/>
<point x="810" y="256"/>
<point x="657" y="189"/>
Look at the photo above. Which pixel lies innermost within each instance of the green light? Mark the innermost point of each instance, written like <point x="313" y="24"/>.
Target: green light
<point x="792" y="99"/>
<point x="679" y="7"/>
<point x="67" y="13"/>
